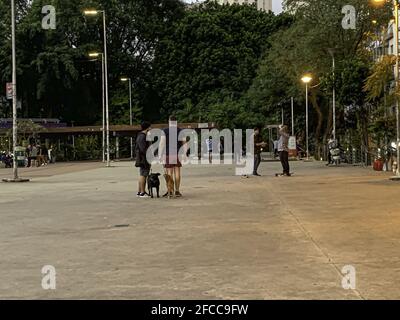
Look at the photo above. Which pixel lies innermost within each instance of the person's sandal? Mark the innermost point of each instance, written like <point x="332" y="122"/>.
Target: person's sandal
<point x="178" y="194"/>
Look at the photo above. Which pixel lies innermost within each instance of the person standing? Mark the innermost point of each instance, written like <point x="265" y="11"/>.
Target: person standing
<point x="331" y="145"/>
<point x="50" y="154"/>
<point x="283" y="149"/>
<point x="258" y="145"/>
<point x="209" y="143"/>
<point x="33" y="156"/>
<point x="141" y="160"/>
<point x="45" y="153"/>
<point x="170" y="145"/>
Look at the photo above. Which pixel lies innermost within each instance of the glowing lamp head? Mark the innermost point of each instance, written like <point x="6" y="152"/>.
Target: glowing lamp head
<point x="306" y="79"/>
<point x="90" y="12"/>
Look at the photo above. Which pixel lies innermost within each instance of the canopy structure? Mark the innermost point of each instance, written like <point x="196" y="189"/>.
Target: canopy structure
<point x="116" y="130"/>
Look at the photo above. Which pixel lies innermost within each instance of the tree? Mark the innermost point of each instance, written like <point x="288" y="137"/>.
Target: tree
<point x="381" y="95"/>
<point x="55" y="76"/>
<point x="210" y="57"/>
<point x="304" y="48"/>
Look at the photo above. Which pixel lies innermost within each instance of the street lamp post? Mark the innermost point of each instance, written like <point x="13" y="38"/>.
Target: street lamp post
<point x="292" y="107"/>
<point x="14" y="93"/>
<point x="307" y="79"/>
<point x="95" y="55"/>
<point x="14" y="99"/>
<point x="130" y="109"/>
<point x="396" y="35"/>
<point x="95" y="12"/>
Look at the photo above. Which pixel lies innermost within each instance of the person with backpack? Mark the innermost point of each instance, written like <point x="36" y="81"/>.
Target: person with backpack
<point x="144" y="166"/>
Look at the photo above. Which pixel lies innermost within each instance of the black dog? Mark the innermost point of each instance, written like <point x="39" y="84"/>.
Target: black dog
<point x="153" y="182"/>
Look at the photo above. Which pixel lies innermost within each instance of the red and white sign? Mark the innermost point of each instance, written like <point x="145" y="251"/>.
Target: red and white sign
<point x="9" y="90"/>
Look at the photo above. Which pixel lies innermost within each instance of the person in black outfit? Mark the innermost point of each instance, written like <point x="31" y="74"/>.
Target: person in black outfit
<point x="141" y="160"/>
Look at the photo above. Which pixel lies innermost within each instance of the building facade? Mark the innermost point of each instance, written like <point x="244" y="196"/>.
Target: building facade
<point x="265" y="5"/>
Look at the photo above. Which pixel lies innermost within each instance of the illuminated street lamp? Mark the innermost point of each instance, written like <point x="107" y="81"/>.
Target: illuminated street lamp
<point x="307" y="79"/>
<point x="93" y="13"/>
<point x="125" y="79"/>
<point x="96" y="55"/>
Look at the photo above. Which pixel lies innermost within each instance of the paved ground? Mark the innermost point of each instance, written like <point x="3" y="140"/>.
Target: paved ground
<point x="228" y="238"/>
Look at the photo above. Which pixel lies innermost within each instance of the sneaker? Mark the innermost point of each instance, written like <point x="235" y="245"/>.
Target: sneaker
<point x="256" y="174"/>
<point x="138" y="194"/>
<point x="144" y="195"/>
<point x="167" y="194"/>
<point x="178" y="194"/>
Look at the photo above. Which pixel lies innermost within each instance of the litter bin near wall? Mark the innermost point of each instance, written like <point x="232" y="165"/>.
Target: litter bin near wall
<point x="20" y="156"/>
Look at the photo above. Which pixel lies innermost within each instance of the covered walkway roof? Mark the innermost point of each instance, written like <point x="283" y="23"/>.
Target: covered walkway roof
<point x="118" y="130"/>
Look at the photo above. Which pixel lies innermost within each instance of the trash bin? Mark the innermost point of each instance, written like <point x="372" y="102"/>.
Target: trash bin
<point x="20" y="156"/>
<point x="378" y="165"/>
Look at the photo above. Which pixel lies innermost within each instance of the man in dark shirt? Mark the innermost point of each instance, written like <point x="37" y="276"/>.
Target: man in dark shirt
<point x="141" y="161"/>
<point x="283" y="149"/>
<point x="258" y="145"/>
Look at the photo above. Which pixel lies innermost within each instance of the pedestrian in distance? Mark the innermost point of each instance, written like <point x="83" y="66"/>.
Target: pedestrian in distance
<point x="259" y="144"/>
<point x="331" y="145"/>
<point x="283" y="150"/>
<point x="209" y="143"/>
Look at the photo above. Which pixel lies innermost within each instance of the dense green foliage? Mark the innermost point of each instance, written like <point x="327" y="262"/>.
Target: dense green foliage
<point x="56" y="77"/>
<point x="233" y="65"/>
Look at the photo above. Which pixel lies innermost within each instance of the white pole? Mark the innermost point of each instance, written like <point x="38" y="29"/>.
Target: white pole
<point x="307" y="146"/>
<point x="106" y="91"/>
<point x="130" y="113"/>
<point x="292" y="116"/>
<point x="14" y="88"/>
<point x="103" y="113"/>
<point x="396" y="36"/>
<point x="334" y="99"/>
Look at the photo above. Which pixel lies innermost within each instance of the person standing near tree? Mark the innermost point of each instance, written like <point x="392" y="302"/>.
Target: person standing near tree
<point x="283" y="149"/>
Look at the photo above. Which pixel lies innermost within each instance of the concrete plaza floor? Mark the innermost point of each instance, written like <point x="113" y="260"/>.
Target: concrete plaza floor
<point x="227" y="238"/>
